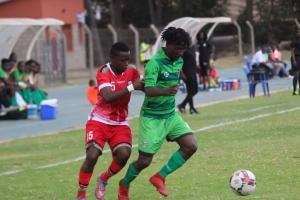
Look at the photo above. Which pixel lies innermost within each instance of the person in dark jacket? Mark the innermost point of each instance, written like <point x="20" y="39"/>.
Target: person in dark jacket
<point x="188" y="75"/>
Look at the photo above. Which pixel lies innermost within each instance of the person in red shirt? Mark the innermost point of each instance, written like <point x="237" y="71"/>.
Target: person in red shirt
<point x="92" y="92"/>
<point x="108" y="121"/>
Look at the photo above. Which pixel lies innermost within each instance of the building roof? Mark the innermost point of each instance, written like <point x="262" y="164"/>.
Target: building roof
<point x="3" y="1"/>
<point x="193" y="25"/>
<point x="30" y="22"/>
<point x="11" y="30"/>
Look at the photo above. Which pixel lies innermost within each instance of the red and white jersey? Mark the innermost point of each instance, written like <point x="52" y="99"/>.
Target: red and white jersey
<point x="116" y="112"/>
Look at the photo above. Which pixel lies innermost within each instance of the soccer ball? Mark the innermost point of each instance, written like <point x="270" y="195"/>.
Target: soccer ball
<point x="243" y="182"/>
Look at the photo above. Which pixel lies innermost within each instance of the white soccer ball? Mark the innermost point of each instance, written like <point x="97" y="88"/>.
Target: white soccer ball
<point x="243" y="182"/>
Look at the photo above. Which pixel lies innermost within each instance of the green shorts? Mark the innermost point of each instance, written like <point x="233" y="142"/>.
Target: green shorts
<point x="153" y="132"/>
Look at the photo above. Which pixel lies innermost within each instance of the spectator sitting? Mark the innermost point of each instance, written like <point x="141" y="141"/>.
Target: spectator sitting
<point x="213" y="76"/>
<point x="4" y="92"/>
<point x="11" y="76"/>
<point x="92" y="92"/>
<point x="12" y="106"/>
<point x="279" y="65"/>
<point x="37" y="95"/>
<point x="260" y="62"/>
<point x="23" y="83"/>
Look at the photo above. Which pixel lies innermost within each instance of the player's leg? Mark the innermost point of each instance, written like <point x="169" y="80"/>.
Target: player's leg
<point x="192" y="92"/>
<point x="181" y="106"/>
<point x="151" y="136"/>
<point x="134" y="169"/>
<point x="86" y="170"/>
<point x="120" y="144"/>
<point x="94" y="146"/>
<point x="295" y="82"/>
<point x="181" y="133"/>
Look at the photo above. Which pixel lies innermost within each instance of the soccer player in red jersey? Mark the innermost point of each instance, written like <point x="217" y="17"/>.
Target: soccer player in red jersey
<point x="108" y="120"/>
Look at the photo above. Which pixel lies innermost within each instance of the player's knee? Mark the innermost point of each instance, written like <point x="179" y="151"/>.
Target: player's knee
<point x="123" y="158"/>
<point x="143" y="163"/>
<point x="91" y="158"/>
<point x="191" y="148"/>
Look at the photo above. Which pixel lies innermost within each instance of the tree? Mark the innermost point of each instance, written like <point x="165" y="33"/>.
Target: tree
<point x="273" y="15"/>
<point x="116" y="13"/>
<point x="155" y="11"/>
<point x="249" y="10"/>
<point x="158" y="12"/>
<point x="91" y="21"/>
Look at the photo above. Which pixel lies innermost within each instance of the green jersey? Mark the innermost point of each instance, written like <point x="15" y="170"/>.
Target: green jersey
<point x="161" y="72"/>
<point x="2" y="74"/>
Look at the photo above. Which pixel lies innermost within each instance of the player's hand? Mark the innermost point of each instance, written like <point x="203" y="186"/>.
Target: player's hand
<point x="172" y="90"/>
<point x="138" y="84"/>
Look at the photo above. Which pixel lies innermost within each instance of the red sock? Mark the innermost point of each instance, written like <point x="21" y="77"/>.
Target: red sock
<point x="84" y="180"/>
<point x="113" y="169"/>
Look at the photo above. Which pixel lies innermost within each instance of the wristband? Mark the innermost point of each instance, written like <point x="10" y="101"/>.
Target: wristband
<point x="130" y="88"/>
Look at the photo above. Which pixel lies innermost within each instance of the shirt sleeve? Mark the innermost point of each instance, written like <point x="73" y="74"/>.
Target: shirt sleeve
<point x="151" y="74"/>
<point x="135" y="74"/>
<point x="102" y="80"/>
<point x="2" y="74"/>
<point x="16" y="75"/>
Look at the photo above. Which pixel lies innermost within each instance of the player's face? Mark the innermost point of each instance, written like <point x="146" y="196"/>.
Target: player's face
<point x="175" y="51"/>
<point x="121" y="61"/>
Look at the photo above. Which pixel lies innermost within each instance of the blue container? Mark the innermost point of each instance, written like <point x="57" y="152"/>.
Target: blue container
<point x="48" y="112"/>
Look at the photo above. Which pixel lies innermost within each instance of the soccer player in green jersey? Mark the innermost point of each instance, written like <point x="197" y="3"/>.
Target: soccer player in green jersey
<point x="158" y="120"/>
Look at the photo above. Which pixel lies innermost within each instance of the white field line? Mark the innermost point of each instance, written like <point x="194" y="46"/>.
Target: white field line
<point x="263" y="108"/>
<point x="135" y="145"/>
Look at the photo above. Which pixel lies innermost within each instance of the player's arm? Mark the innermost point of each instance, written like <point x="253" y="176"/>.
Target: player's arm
<point x="110" y="96"/>
<point x="151" y="75"/>
<point x="156" y="91"/>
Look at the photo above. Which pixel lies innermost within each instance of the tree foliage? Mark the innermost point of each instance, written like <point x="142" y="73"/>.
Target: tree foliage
<point x="159" y="12"/>
<point x="271" y="17"/>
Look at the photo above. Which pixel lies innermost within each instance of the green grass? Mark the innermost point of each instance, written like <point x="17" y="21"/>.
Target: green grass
<point x="268" y="145"/>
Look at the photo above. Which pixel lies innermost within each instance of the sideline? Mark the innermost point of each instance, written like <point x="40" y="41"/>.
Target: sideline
<point x="135" y="145"/>
<point x="133" y="117"/>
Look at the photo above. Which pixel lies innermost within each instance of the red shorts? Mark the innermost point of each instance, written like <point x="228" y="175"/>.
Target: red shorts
<point x="114" y="135"/>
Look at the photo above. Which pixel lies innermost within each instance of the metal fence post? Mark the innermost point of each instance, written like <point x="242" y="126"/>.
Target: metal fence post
<point x="252" y="36"/>
<point x="91" y="50"/>
<point x="155" y="30"/>
<point x="114" y="33"/>
<point x="137" y="43"/>
<point x="239" y="37"/>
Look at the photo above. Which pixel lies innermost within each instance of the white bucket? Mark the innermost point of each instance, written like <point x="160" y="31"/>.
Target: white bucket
<point x="32" y="111"/>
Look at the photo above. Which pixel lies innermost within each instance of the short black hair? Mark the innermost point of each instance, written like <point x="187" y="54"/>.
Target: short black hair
<point x="118" y="47"/>
<point x="5" y="61"/>
<point x="174" y="35"/>
<point x="91" y="82"/>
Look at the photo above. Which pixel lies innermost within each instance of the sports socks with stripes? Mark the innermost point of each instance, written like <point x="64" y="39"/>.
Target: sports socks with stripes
<point x="175" y="162"/>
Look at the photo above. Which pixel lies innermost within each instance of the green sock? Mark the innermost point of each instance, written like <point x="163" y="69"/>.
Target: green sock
<point x="175" y="162"/>
<point x="130" y="175"/>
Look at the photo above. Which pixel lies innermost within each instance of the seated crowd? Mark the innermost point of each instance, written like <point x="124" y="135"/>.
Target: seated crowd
<point x="18" y="87"/>
<point x="269" y="59"/>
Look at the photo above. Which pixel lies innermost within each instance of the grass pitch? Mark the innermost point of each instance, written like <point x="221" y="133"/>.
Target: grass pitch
<point x="260" y="134"/>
